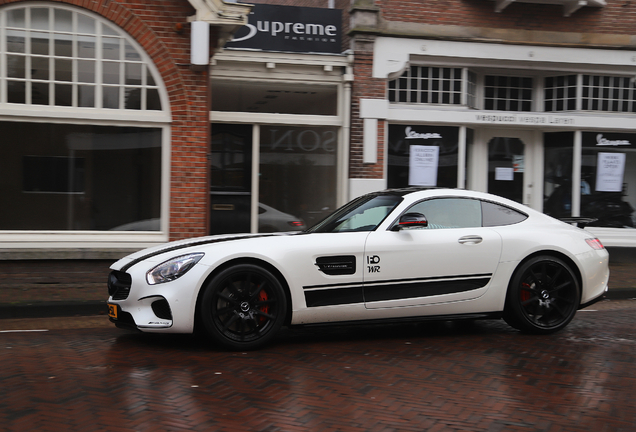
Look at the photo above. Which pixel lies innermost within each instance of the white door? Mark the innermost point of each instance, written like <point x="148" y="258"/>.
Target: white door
<point x="453" y="259"/>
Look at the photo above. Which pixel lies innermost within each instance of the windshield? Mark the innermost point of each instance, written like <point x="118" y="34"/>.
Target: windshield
<point x="362" y="214"/>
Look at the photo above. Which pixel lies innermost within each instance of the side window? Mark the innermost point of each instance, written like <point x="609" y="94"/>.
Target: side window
<point x="498" y="215"/>
<point x="444" y="213"/>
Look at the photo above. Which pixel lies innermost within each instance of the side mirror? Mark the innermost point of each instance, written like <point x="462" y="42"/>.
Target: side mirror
<point x="411" y="220"/>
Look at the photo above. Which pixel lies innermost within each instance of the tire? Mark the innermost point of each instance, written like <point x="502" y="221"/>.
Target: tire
<point x="543" y="296"/>
<point x="243" y="307"/>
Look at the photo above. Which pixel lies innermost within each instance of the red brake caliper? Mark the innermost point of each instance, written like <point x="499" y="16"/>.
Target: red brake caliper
<point x="262" y="297"/>
<point x="525" y="293"/>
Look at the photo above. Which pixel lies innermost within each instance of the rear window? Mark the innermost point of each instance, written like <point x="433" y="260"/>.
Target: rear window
<point x="498" y="215"/>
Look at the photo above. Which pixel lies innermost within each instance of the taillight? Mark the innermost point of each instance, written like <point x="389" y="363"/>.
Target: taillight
<point x="595" y="243"/>
<point x="296" y="223"/>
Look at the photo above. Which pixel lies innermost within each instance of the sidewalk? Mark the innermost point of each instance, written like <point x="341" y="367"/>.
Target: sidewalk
<point x="57" y="300"/>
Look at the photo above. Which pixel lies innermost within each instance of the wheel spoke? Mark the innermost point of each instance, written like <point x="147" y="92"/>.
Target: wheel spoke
<point x="256" y="292"/>
<point x="229" y="322"/>
<point x="227" y="298"/>
<point x="263" y="314"/>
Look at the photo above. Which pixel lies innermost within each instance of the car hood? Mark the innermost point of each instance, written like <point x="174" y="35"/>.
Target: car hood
<point x="147" y="254"/>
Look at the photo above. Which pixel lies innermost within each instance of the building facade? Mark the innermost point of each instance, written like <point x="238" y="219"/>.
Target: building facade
<point x="532" y="101"/>
<point x="113" y="140"/>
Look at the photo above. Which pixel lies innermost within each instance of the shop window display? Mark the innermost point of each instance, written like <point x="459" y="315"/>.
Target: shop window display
<point x="608" y="178"/>
<point x="82" y="177"/>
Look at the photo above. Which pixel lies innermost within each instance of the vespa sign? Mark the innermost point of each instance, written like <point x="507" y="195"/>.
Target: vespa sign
<point x="290" y="28"/>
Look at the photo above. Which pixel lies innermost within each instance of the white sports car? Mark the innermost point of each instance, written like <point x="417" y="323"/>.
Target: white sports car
<point x="395" y="254"/>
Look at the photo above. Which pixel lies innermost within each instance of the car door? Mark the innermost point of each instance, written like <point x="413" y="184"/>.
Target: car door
<point x="452" y="259"/>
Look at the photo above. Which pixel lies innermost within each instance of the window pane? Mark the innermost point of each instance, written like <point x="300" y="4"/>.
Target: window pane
<point x="40" y="18"/>
<point x="85" y="24"/>
<point x="15" y="18"/>
<point x="111" y="97"/>
<point x="39" y="93"/>
<point x="131" y="53"/>
<point x="16" y="92"/>
<point x="441" y="171"/>
<point x="557" y="170"/>
<point x="86" y="96"/>
<point x="16" y="41"/>
<point x="63" y="70"/>
<point x="40" y="43"/>
<point x="498" y="215"/>
<point x="63" y="45"/>
<point x="63" y="20"/>
<point x="110" y="73"/>
<point x="304" y="159"/>
<point x="86" y="47"/>
<point x="133" y="74"/>
<point x="133" y="98"/>
<point x="40" y="68"/>
<point x="608" y="179"/>
<point x="86" y="71"/>
<point x="153" y="102"/>
<point x="110" y="48"/>
<point x="16" y="66"/>
<point x="76" y="173"/>
<point x="63" y="95"/>
<point x="447" y="213"/>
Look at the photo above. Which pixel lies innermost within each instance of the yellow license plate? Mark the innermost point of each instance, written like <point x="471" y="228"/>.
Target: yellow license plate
<point x="112" y="311"/>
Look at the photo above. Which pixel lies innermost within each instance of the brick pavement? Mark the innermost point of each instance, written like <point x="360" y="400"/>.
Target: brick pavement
<point x="434" y="376"/>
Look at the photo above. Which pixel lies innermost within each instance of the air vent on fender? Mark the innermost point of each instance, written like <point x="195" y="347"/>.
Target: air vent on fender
<point x="337" y="265"/>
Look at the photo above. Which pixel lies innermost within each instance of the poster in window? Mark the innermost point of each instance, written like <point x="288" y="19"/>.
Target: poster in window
<point x="609" y="172"/>
<point x="423" y="162"/>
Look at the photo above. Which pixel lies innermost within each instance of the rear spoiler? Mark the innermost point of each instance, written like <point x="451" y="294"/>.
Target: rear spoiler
<point x="580" y="222"/>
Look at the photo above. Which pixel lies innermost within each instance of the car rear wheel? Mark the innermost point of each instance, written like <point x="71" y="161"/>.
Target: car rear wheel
<point x="543" y="296"/>
<point x="243" y="307"/>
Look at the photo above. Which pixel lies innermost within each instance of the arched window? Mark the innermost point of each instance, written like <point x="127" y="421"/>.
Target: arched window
<point x="84" y="123"/>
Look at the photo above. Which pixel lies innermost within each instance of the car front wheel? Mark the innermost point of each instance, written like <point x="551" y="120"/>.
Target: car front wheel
<point x="543" y="296"/>
<point x="243" y="307"/>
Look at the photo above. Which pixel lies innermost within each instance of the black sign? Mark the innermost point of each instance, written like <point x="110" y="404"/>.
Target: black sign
<point x="290" y="28"/>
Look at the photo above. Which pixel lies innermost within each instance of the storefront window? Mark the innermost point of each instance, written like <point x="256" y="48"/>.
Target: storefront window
<point x="80" y="177"/>
<point x="557" y="187"/>
<point x="297" y="179"/>
<point x="422" y="156"/>
<point x="608" y="179"/>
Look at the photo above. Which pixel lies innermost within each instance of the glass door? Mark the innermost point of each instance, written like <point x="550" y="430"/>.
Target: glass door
<point x="509" y="165"/>
<point x="230" y="178"/>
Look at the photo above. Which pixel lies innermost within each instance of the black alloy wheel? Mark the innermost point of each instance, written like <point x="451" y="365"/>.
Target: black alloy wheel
<point x="543" y="296"/>
<point x="243" y="307"/>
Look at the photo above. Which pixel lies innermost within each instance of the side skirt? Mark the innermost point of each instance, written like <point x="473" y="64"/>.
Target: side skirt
<point x="475" y="316"/>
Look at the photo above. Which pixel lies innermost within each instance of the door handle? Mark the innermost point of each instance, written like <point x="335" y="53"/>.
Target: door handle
<point x="470" y="239"/>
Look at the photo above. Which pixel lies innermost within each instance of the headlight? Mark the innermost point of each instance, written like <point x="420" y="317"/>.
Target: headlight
<point x="173" y="269"/>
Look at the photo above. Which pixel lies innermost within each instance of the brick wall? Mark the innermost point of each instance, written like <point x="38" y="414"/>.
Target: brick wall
<point x="617" y="17"/>
<point x="152" y="24"/>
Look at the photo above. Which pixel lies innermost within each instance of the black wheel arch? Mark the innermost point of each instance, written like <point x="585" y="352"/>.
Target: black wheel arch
<point x="556" y="254"/>
<point x="237" y="261"/>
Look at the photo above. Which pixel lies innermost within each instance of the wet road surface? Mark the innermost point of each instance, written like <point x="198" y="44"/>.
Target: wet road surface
<point x="82" y="374"/>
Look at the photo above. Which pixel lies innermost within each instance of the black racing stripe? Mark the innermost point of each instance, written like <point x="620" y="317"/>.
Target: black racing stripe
<point x="427" y="279"/>
<point x="399" y="281"/>
<point x="187" y="245"/>
<point x="338" y="294"/>
<point x="332" y="297"/>
<point x="375" y="293"/>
